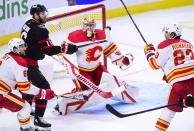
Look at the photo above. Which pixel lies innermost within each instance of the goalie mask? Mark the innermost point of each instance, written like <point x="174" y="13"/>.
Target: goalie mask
<point x="89" y="26"/>
<point x="175" y="30"/>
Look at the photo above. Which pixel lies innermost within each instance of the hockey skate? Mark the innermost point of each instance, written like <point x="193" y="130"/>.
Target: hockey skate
<point x="41" y="125"/>
<point x="32" y="113"/>
<point x="27" y="129"/>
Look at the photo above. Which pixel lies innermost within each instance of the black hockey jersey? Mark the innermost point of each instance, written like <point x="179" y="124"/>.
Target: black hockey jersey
<point x="37" y="38"/>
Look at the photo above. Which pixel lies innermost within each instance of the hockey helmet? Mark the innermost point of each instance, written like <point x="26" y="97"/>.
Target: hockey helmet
<point x="173" y="28"/>
<point x="15" y="42"/>
<point x="37" y="8"/>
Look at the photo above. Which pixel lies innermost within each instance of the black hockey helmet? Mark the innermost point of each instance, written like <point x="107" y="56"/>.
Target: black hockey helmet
<point x="37" y="8"/>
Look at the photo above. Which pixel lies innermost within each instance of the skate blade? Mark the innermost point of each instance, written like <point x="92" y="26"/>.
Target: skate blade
<point x="38" y="128"/>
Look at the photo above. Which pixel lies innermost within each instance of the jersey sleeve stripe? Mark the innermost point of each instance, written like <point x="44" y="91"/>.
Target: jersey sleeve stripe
<point x="42" y="41"/>
<point x="23" y="83"/>
<point x="4" y="87"/>
<point x="109" y="47"/>
<point x="45" y="47"/>
<point x="111" y="51"/>
<point x="23" y="86"/>
<point x="153" y="64"/>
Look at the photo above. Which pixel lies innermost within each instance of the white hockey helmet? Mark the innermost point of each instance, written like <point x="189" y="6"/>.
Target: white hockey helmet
<point x="173" y="28"/>
<point x="14" y="43"/>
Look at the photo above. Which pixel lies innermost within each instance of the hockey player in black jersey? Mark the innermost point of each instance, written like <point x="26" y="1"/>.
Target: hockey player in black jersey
<point x="35" y="34"/>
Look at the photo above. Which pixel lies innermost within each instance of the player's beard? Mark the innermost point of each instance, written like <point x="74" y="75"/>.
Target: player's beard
<point x="22" y="54"/>
<point x="42" y="21"/>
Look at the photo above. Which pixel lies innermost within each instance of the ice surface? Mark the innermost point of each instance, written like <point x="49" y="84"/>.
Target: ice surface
<point x="153" y="91"/>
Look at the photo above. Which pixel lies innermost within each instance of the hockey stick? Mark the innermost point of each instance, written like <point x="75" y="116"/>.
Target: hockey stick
<point x="134" y="22"/>
<point x="85" y="98"/>
<point x="107" y="32"/>
<point x="87" y="82"/>
<point x="92" y="86"/>
<point x="92" y="43"/>
<point x="120" y="115"/>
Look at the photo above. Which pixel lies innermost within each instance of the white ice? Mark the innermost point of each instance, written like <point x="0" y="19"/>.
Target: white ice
<point x="153" y="91"/>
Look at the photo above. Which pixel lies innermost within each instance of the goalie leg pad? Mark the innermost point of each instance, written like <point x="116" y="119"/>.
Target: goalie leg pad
<point x="67" y="105"/>
<point x="121" y="91"/>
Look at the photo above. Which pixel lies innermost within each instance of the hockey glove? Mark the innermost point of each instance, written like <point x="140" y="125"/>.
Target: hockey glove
<point x="46" y="94"/>
<point x="68" y="48"/>
<point x="187" y="101"/>
<point x="124" y="62"/>
<point x="149" y="51"/>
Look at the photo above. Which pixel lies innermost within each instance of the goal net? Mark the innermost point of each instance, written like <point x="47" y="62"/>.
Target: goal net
<point x="62" y="21"/>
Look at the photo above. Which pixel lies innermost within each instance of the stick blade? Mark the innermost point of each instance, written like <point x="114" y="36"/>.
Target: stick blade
<point x="113" y="111"/>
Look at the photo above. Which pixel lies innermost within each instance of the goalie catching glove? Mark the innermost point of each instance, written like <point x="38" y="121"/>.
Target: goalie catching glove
<point x="68" y="48"/>
<point x="123" y="61"/>
<point x="46" y="94"/>
<point x="149" y="51"/>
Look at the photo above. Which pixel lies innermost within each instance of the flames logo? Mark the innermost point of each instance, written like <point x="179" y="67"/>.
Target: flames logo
<point x="91" y="53"/>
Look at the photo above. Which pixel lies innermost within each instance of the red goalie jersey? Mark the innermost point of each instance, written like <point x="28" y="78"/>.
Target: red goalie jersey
<point x="89" y="57"/>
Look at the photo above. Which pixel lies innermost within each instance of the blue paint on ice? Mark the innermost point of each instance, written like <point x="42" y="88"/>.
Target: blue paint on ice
<point x="150" y="95"/>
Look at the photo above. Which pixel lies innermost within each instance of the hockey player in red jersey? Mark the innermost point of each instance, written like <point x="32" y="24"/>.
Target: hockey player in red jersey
<point x="13" y="75"/>
<point x="35" y="34"/>
<point x="175" y="57"/>
<point x="88" y="59"/>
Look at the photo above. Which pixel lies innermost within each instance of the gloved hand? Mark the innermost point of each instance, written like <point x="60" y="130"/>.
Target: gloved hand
<point x="124" y="62"/>
<point x="68" y="48"/>
<point x="149" y="51"/>
<point x="186" y="101"/>
<point x="46" y="94"/>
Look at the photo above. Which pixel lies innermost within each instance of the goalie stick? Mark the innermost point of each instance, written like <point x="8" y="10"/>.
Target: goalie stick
<point x="87" y="82"/>
<point x="92" y="43"/>
<point x="92" y="86"/>
<point x="120" y="115"/>
<point x="107" y="32"/>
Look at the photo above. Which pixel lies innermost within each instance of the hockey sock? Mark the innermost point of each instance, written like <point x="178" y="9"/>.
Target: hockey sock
<point x="40" y="107"/>
<point x="28" y="98"/>
<point x="164" y="120"/>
